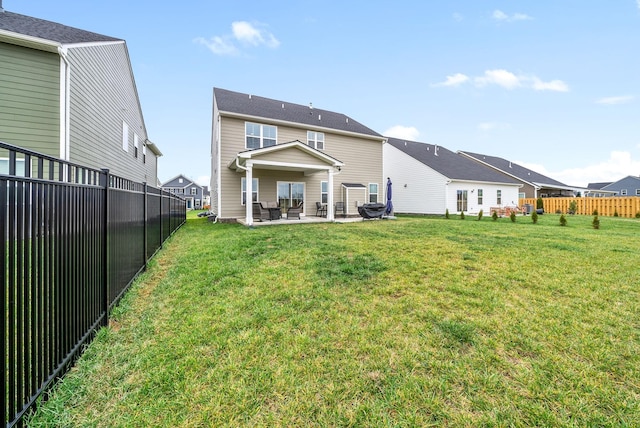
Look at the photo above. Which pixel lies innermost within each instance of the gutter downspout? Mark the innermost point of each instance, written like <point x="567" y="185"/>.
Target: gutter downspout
<point x="65" y="120"/>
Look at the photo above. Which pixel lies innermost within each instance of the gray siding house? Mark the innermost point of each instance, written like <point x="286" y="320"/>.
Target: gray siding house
<point x="628" y="186"/>
<point x="429" y="179"/>
<point x="290" y="155"/>
<point x="71" y="94"/>
<point x="193" y="193"/>
<point x="534" y="184"/>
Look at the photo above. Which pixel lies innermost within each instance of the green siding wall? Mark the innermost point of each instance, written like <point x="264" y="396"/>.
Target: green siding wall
<point x="30" y="98"/>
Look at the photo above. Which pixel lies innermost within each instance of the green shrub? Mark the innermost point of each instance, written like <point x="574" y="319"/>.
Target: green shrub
<point x="494" y="216"/>
<point x="534" y="217"/>
<point x="539" y="203"/>
<point x="595" y="213"/>
<point x="596" y="222"/>
<point x="480" y="215"/>
<point x="446" y="213"/>
<point x="563" y="220"/>
<point x="573" y="207"/>
<point x="615" y="213"/>
<point x="512" y="216"/>
<point x="638" y="214"/>
<point x="461" y="215"/>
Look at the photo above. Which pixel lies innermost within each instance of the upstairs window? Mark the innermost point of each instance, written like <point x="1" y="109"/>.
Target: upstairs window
<point x="623" y="192"/>
<point x="194" y="190"/>
<point x="315" y="139"/>
<point x="258" y="136"/>
<point x="479" y="196"/>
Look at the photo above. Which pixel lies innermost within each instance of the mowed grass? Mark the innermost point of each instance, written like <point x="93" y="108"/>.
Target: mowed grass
<point x="412" y="322"/>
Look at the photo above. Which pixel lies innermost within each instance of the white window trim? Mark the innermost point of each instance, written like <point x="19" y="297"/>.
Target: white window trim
<point x="255" y="189"/>
<point x="261" y="125"/>
<point x="637" y="192"/>
<point x="125" y="136"/>
<point x="135" y="144"/>
<point x="315" y="140"/>
<point x="372" y="193"/>
<point x="194" y="190"/>
<point x="623" y="192"/>
<point x="324" y="193"/>
<point x="499" y="197"/>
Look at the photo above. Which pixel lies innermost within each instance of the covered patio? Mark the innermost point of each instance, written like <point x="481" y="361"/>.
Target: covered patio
<point x="292" y="158"/>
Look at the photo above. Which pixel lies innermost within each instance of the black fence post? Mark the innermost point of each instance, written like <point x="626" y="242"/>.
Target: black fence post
<point x="104" y="183"/>
<point x="146" y="225"/>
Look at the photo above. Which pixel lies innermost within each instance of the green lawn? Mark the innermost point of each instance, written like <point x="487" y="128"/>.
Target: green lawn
<point x="408" y="322"/>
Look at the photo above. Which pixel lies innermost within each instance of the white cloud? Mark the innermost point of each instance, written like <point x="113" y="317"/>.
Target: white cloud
<point x="403" y="132"/>
<point x="616" y="100"/>
<point x="244" y="33"/>
<point x="500" y="16"/>
<point x="507" y="80"/>
<point x="455" y="80"/>
<point x="503" y="78"/>
<point x="638" y="2"/>
<point x="491" y="126"/>
<point x="554" y="85"/>
<point x="218" y="45"/>
<point x="247" y="33"/>
<point x="619" y="165"/>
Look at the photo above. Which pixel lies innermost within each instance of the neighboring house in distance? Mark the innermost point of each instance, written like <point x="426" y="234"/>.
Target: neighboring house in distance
<point x="429" y="179"/>
<point x="276" y="151"/>
<point x="71" y="94"/>
<point x="187" y="189"/>
<point x="628" y="186"/>
<point x="534" y="184"/>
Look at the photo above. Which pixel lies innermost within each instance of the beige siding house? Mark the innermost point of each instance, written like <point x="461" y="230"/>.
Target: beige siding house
<point x="289" y="154"/>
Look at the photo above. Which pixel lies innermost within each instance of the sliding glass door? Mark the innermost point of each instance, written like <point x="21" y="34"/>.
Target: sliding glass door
<point x="290" y="195"/>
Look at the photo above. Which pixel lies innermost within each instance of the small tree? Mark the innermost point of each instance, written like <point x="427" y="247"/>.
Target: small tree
<point x="615" y="212"/>
<point x="494" y="216"/>
<point x="461" y="215"/>
<point x="573" y="207"/>
<point x="596" y="222"/>
<point x="512" y="216"/>
<point x="480" y="215"/>
<point x="539" y="204"/>
<point x="534" y="217"/>
<point x="563" y="220"/>
<point x="595" y="212"/>
<point x="446" y="213"/>
<point x="638" y="214"/>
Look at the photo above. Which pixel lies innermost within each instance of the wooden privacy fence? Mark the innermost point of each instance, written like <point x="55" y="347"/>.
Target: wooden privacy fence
<point x="73" y="240"/>
<point x="624" y="206"/>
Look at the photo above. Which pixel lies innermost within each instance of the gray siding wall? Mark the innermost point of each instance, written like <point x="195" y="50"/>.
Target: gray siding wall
<point x="362" y="158"/>
<point x="103" y="95"/>
<point x="30" y="99"/>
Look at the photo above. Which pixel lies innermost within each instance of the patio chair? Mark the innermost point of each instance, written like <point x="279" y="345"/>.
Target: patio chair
<point x="340" y="208"/>
<point x="260" y="213"/>
<point x="294" y="212"/>
<point x="321" y="209"/>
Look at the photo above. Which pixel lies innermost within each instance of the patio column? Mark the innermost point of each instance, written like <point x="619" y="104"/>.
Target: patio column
<point x="249" y="193"/>
<point x="330" y="213"/>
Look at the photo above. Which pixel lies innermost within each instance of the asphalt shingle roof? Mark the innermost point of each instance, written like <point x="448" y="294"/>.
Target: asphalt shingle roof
<point x="252" y="105"/>
<point x="514" y="169"/>
<point x="47" y="30"/>
<point x="448" y="163"/>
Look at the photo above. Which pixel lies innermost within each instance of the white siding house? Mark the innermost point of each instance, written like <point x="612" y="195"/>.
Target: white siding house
<point x="429" y="179"/>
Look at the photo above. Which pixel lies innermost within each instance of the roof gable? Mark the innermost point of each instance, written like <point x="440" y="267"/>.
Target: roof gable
<point x="47" y="30"/>
<point x="175" y="182"/>
<point x="448" y="163"/>
<point x="514" y="169"/>
<point x="260" y="107"/>
<point x="629" y="181"/>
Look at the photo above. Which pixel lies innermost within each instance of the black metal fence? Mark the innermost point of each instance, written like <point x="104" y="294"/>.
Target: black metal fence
<point x="73" y="240"/>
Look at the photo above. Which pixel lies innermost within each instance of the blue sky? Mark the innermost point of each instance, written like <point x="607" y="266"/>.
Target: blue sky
<point x="552" y="85"/>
